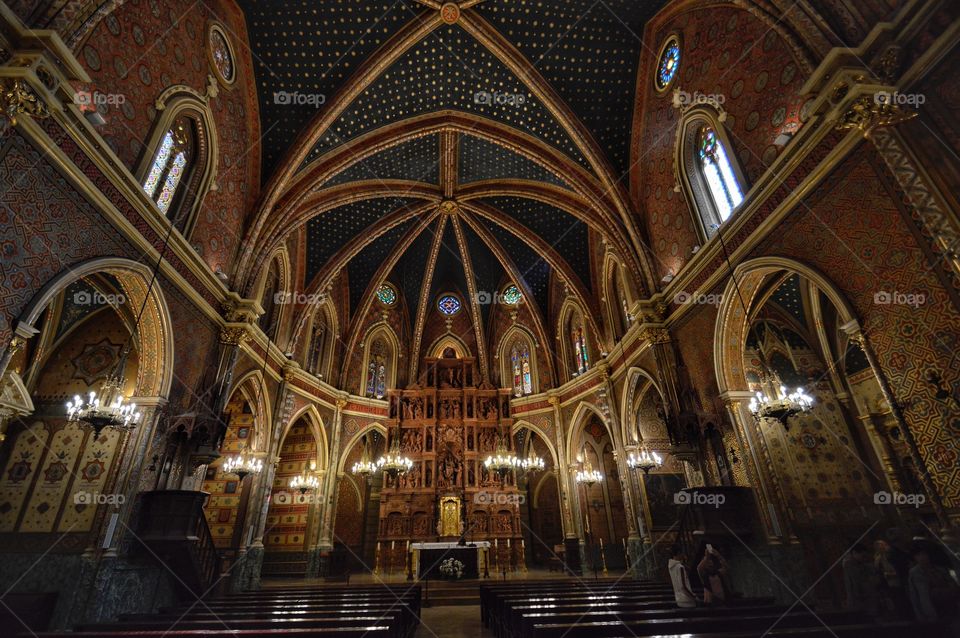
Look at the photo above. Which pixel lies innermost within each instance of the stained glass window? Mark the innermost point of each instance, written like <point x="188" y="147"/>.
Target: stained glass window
<point x="580" y="350"/>
<point x="221" y="55"/>
<point x="377" y="371"/>
<point x="718" y="173"/>
<point x="448" y="305"/>
<point x="512" y="295"/>
<point x="387" y="295"/>
<point x="520" y="362"/>
<point x="170" y="164"/>
<point x="669" y="63"/>
<point x="316" y="357"/>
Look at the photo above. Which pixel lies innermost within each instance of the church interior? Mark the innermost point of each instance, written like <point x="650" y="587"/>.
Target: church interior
<point x="492" y="318"/>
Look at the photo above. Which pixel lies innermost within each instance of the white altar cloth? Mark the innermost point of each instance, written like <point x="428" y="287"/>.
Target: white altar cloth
<point x="451" y="545"/>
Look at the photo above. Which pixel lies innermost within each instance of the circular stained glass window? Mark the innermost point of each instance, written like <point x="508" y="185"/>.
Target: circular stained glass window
<point x="221" y="55"/>
<point x="387" y="295"/>
<point x="669" y="63"/>
<point x="448" y="305"/>
<point x="512" y="295"/>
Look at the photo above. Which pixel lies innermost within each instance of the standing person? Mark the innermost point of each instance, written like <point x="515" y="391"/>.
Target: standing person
<point x="933" y="593"/>
<point x="891" y="587"/>
<point x="861" y="581"/>
<point x="711" y="570"/>
<point x="680" y="579"/>
<point x="898" y="555"/>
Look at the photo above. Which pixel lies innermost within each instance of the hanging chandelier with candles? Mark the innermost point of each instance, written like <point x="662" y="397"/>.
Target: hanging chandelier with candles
<point x="502" y="461"/>
<point x="774" y="401"/>
<point x="644" y="460"/>
<point x="586" y="475"/>
<point x="532" y="463"/>
<point x="364" y="467"/>
<point x="394" y="463"/>
<point x="242" y="464"/>
<point x="304" y="482"/>
<point x="109" y="408"/>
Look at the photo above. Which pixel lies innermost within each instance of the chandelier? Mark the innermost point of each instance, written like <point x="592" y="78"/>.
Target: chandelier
<point x="108" y="409"/>
<point x="532" y="463"/>
<point x="364" y="467"/>
<point x="242" y="464"/>
<point x="304" y="482"/>
<point x="644" y="461"/>
<point x="779" y="404"/>
<point x="586" y="475"/>
<point x="502" y="462"/>
<point x="394" y="462"/>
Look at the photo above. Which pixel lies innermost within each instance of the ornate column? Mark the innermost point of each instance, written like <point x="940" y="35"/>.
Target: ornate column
<point x="320" y="551"/>
<point x="857" y="336"/>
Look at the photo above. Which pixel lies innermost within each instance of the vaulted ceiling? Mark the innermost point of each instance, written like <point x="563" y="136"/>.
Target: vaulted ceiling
<point x="447" y="146"/>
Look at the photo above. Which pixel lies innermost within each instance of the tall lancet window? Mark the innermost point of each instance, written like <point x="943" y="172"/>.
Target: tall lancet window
<point x="522" y="377"/>
<point x="377" y="371"/>
<point x="580" y="349"/>
<point x="171" y="164"/>
<point x="718" y="173"/>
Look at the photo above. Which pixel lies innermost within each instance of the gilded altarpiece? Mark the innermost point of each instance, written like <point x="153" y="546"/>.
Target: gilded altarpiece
<point x="448" y="427"/>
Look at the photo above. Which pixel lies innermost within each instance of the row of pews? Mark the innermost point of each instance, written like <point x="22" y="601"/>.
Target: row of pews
<point x="605" y="609"/>
<point x="338" y="612"/>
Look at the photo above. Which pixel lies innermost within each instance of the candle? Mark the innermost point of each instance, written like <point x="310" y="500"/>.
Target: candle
<point x="508" y="542"/>
<point x="496" y="542"/>
<point x="601" y="543"/>
<point x="392" y="542"/>
<point x="624" y="543"/>
<point x="521" y="544"/>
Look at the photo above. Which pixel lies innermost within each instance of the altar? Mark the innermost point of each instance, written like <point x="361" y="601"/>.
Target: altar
<point x="429" y="556"/>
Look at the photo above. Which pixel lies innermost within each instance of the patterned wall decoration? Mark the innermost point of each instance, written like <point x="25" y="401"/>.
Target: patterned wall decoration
<point x="226" y="491"/>
<point x="287" y="517"/>
<point x="728" y="53"/>
<point x="143" y="48"/>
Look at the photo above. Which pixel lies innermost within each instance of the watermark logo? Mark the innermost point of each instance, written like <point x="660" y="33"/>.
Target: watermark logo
<point x="498" y="498"/>
<point x="895" y="298"/>
<point x="486" y="298"/>
<point x="896" y="98"/>
<point x="683" y="298"/>
<point x="497" y="98"/>
<point x="97" y="298"/>
<point x="682" y="99"/>
<point x="90" y="100"/>
<point x="296" y="98"/>
<point x="699" y="498"/>
<point x="899" y="498"/>
<point x="285" y="497"/>
<point x="297" y="298"/>
<point x="98" y="498"/>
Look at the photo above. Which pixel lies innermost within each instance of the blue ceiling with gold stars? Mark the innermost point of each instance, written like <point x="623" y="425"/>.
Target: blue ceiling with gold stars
<point x="480" y="160"/>
<point x="417" y="161"/>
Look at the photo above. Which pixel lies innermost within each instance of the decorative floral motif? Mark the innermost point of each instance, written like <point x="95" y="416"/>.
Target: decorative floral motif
<point x="449" y="305"/>
<point x="387" y="295"/>
<point x="220" y="52"/>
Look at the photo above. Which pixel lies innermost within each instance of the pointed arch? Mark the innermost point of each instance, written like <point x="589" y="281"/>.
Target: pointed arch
<point x="578" y="422"/>
<point x="448" y="341"/>
<point x="707" y="169"/>
<point x="617" y="297"/>
<point x="635" y="379"/>
<point x="273" y="291"/>
<point x="352" y="442"/>
<point x="576" y="349"/>
<point x="320" y="348"/>
<point x="253" y="387"/>
<point x="517" y="354"/>
<point x="315" y="421"/>
<point x="523" y="424"/>
<point x="730" y="331"/>
<point x="381" y="350"/>
<point x="178" y="166"/>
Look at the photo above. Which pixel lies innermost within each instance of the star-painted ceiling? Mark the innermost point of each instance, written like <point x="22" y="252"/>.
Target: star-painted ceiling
<point x="417" y="161"/>
<point x="533" y="269"/>
<point x="328" y="232"/>
<point x="446" y="70"/>
<point x="482" y="160"/>
<point x="789" y="297"/>
<point x="363" y="267"/>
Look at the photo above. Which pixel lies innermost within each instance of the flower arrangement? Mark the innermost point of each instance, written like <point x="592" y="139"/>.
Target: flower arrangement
<point x="452" y="568"/>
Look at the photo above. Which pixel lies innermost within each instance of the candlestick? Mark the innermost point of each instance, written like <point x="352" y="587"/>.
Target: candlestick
<point x="496" y="542"/>
<point x="392" y="542"/>
<point x="508" y="542"/>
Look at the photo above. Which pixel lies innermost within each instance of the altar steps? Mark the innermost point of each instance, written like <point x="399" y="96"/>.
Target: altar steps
<point x="444" y="593"/>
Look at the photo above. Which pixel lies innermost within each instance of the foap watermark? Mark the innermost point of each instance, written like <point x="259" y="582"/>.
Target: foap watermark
<point x="97" y="298"/>
<point x="284" y="497"/>
<point x="296" y="98"/>
<point x="684" y="297"/>
<point x="896" y="298"/>
<point x="699" y="498"/>
<point x="485" y="298"/>
<point x="896" y="98"/>
<point x="498" y="98"/>
<point x="297" y="298"/>
<point x="682" y="99"/>
<point x="98" y="498"/>
<point x="90" y="100"/>
<point x="899" y="498"/>
<point x="498" y="498"/>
